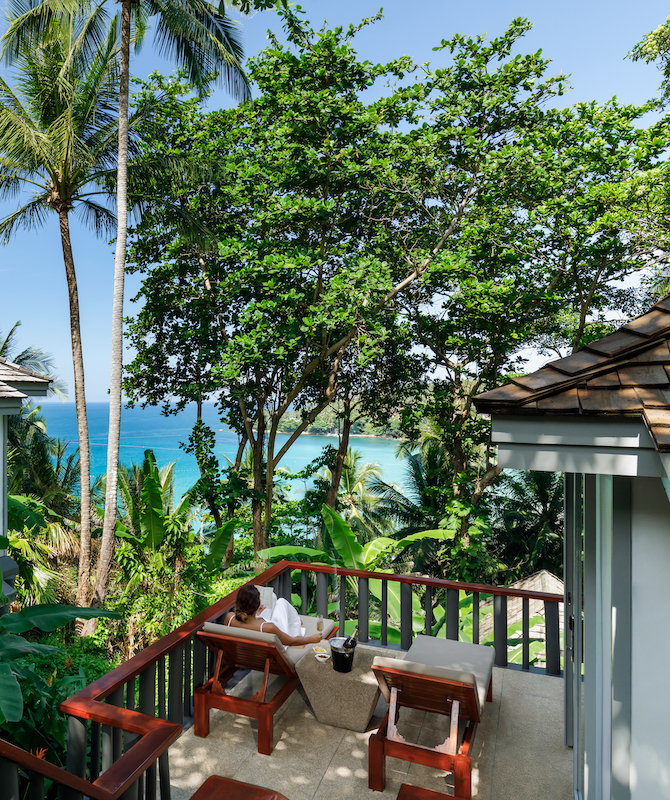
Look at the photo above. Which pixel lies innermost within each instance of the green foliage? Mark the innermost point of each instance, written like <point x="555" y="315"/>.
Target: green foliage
<point x="29" y="703"/>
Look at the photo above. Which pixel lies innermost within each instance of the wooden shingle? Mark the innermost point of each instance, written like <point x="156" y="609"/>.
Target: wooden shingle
<point x="648" y="324"/>
<point x="643" y="375"/>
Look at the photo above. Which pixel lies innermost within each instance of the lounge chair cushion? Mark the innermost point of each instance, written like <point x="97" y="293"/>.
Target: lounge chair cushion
<point x="448" y="659"/>
<point x="294" y="654"/>
<point x="244" y="633"/>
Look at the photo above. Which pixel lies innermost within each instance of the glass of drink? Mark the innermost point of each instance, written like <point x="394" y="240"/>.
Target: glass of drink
<point x="319" y="623"/>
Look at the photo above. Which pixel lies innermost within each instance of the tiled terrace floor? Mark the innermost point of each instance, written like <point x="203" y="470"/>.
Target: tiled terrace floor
<point x="518" y="751"/>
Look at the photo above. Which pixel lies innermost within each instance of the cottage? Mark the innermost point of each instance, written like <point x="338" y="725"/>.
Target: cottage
<point x="602" y="416"/>
<point x="16" y="385"/>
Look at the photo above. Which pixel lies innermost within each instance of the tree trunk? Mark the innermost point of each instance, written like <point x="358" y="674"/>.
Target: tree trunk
<point x="84" y="578"/>
<point x="257" y="504"/>
<point x="107" y="543"/>
<point x="336" y="474"/>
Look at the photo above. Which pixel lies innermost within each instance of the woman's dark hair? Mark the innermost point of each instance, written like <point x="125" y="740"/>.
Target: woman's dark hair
<point x="248" y="601"/>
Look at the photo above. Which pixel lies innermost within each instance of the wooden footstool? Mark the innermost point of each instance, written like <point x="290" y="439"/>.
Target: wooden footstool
<point x="217" y="788"/>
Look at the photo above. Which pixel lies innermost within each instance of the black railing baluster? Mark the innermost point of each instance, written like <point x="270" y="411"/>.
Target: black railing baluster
<point x="162" y="705"/>
<point x="116" y="699"/>
<point x="286" y="585"/>
<point x="303" y="592"/>
<point x="176" y="685"/>
<point x="164" y="773"/>
<point x="129" y="739"/>
<point x="147" y="705"/>
<point x="363" y="609"/>
<point x="552" y="638"/>
<point x="525" y="628"/>
<point x="187" y="678"/>
<point x="322" y="594"/>
<point x="9" y="779"/>
<point x="475" y="617"/>
<point x="343" y="605"/>
<point x="75" y="759"/>
<point x="95" y="751"/>
<point x="107" y="748"/>
<point x="276" y="585"/>
<point x="406" y="632"/>
<point x="500" y="629"/>
<point x="428" y="604"/>
<point x="452" y="614"/>
<point x="36" y="790"/>
<point x="385" y="613"/>
<point x="199" y="664"/>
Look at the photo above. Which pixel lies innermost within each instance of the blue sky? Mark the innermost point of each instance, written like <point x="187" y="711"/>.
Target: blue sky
<point x="585" y="39"/>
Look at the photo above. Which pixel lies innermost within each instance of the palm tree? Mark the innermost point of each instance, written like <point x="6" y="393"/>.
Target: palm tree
<point x="422" y="507"/>
<point x="58" y="141"/>
<point x="201" y="38"/>
<point x="526" y="514"/>
<point x="355" y="500"/>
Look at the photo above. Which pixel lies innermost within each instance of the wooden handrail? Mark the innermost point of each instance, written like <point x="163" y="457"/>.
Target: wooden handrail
<point x="439" y="583"/>
<point x="158" y="734"/>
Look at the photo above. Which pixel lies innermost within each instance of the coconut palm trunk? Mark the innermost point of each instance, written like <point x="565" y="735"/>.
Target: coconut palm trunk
<point x="84" y="577"/>
<point x="109" y="525"/>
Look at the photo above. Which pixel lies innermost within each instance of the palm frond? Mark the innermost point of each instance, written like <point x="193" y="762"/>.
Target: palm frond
<point x="202" y="40"/>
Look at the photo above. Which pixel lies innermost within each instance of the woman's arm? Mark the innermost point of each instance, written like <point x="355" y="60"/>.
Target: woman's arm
<point x="291" y="641"/>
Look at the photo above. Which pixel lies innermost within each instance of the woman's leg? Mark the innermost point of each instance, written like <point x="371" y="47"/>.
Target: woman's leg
<point x="286" y="618"/>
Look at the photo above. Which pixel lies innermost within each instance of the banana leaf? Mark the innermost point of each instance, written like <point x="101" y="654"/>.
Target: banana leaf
<point x="11" y="700"/>
<point x="219" y="545"/>
<point x="49" y="617"/>
<point x="343" y="539"/>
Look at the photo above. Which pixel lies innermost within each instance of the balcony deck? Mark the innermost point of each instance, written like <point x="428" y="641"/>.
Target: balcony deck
<point x="518" y="752"/>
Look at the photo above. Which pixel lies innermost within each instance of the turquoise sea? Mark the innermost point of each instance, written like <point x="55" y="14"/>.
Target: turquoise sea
<point x="143" y="428"/>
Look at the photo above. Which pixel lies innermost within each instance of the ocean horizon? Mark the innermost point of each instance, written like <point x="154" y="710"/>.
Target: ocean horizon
<point x="148" y="428"/>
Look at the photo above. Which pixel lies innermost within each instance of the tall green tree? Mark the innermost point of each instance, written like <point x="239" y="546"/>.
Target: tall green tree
<point x="58" y="135"/>
<point x="340" y="208"/>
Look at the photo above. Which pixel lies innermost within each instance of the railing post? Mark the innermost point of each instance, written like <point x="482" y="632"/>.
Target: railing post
<point x="188" y="678"/>
<point x="322" y="594"/>
<point x="406" y="632"/>
<point x="286" y="585"/>
<point x="385" y="612"/>
<point x="164" y="773"/>
<point x="303" y="592"/>
<point x="363" y="609"/>
<point x="343" y="605"/>
<point x="525" y="630"/>
<point x="475" y="617"/>
<point x="452" y="614"/>
<point x="116" y="699"/>
<point x="147" y="705"/>
<point x="36" y="786"/>
<point x="428" y="604"/>
<point x="500" y="629"/>
<point x="9" y="779"/>
<point x="75" y="759"/>
<point x="552" y="638"/>
<point x="176" y="685"/>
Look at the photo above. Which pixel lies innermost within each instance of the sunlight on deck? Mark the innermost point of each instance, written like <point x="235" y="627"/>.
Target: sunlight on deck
<point x="518" y="752"/>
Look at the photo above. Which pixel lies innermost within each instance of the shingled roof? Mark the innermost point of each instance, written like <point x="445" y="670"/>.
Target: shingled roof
<point x="624" y="374"/>
<point x="12" y="376"/>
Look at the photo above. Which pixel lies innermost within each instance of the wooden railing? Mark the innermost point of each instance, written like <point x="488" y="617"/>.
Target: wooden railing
<point x="135" y="712"/>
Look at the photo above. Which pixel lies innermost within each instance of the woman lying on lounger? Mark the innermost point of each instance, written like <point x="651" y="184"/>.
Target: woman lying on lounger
<point x="283" y="620"/>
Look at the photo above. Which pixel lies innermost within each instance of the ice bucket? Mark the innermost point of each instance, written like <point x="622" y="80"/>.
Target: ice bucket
<point x="343" y="658"/>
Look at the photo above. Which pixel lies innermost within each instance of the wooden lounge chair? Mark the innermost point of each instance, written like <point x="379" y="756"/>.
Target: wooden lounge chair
<point x="237" y="648"/>
<point x="440" y="676"/>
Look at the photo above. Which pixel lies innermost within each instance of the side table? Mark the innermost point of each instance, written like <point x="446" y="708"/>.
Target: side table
<point x="343" y="699"/>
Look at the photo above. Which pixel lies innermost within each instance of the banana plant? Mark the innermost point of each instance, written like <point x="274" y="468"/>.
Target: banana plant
<point x="13" y="646"/>
<point x="352" y="555"/>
